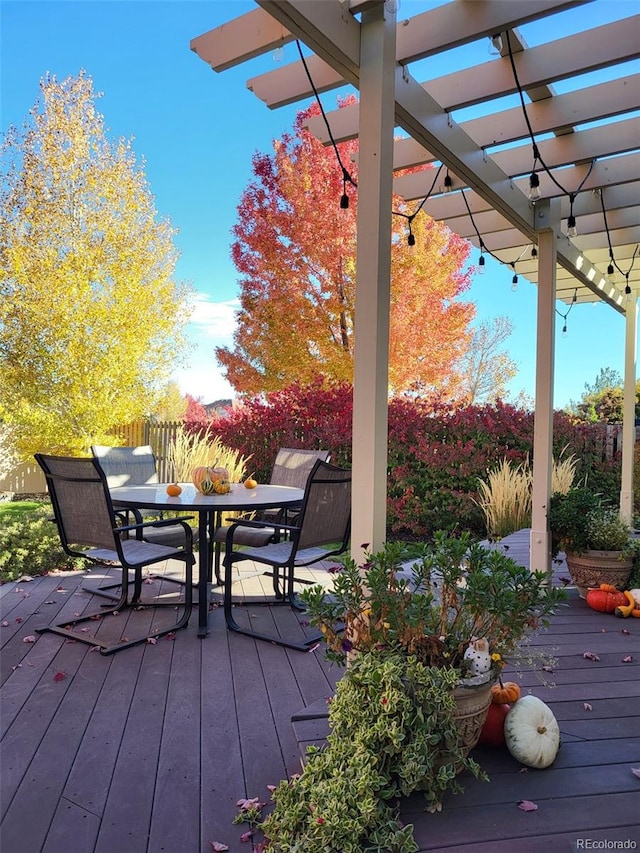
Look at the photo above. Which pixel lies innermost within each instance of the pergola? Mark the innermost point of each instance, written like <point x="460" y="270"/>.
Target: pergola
<point x="549" y="187"/>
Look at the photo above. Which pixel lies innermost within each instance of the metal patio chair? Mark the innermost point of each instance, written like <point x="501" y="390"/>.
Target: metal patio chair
<point x="292" y="467"/>
<point x="88" y="527"/>
<point x="322" y="531"/>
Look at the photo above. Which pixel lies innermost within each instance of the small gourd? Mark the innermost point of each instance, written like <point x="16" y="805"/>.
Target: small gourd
<point x="628" y="607"/>
<point x="222" y="487"/>
<point x="492" y="733"/>
<point x="532" y="733"/>
<point x="505" y="693"/>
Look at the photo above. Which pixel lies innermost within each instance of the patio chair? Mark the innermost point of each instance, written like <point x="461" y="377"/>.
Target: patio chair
<point x="292" y="467"/>
<point x="322" y="531"/>
<point x="135" y="466"/>
<point x="88" y="527"/>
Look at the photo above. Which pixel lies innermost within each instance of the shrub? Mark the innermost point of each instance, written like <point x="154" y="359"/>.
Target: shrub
<point x="31" y="546"/>
<point x="437" y="453"/>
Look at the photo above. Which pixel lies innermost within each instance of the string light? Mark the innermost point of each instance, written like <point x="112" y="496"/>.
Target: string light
<point x="627" y="291"/>
<point x="613" y="266"/>
<point x="572" y="231"/>
<point x="495" y="45"/>
<point x="534" y="186"/>
<point x="534" y="252"/>
<point x="448" y="183"/>
<point x="611" y="272"/>
<point x="567" y="312"/>
<point x="481" y="265"/>
<point x="514" y="282"/>
<point x="411" y="240"/>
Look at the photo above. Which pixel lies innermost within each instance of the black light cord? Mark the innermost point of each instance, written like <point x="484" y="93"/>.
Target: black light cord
<point x="411" y="216"/>
<point x="346" y="177"/>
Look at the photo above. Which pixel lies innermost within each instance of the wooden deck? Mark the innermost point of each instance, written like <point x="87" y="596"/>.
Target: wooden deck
<point x="148" y="750"/>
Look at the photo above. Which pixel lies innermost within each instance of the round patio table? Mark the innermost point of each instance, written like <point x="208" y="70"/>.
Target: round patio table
<point x="209" y="509"/>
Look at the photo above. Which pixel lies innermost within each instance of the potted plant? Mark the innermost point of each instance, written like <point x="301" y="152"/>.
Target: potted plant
<point x="416" y="634"/>
<point x="598" y="545"/>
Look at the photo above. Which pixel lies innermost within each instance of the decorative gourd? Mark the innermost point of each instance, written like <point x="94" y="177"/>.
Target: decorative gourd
<point x="532" y="733"/>
<point x="222" y="487"/>
<point x="505" y="693"/>
<point x="492" y="733"/>
<point x="205" y="477"/>
<point x="605" y="600"/>
<point x="628" y="607"/>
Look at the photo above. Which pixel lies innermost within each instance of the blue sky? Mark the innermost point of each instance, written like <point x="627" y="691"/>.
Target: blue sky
<point x="197" y="131"/>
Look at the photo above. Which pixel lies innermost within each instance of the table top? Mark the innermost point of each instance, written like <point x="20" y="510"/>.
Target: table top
<point x="239" y="498"/>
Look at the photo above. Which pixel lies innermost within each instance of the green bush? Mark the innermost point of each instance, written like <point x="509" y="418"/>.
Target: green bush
<point x="30" y="545"/>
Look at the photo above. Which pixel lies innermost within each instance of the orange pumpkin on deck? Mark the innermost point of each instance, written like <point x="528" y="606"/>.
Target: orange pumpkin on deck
<point x="605" y="599"/>
<point x="505" y="693"/>
<point x="205" y="477"/>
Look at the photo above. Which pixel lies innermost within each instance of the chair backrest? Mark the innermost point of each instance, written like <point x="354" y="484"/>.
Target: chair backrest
<point x="127" y="466"/>
<point x="81" y="502"/>
<point x="325" y="516"/>
<point x="293" y="466"/>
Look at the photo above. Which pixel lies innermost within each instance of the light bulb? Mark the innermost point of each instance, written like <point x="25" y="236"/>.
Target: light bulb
<point x="481" y="265"/>
<point x="495" y="45"/>
<point x="514" y="283"/>
<point x="278" y="54"/>
<point x="448" y="183"/>
<point x="534" y="186"/>
<point x="344" y="201"/>
<point x="629" y="295"/>
<point x="564" y="331"/>
<point x="534" y="252"/>
<point x="611" y="273"/>
<point x="411" y="240"/>
<point x="572" y="231"/>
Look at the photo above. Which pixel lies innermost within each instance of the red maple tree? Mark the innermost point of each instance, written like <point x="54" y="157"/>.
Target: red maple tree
<point x="295" y="250"/>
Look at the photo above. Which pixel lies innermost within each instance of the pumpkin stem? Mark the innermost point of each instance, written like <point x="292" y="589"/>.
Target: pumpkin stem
<point x="541" y="730"/>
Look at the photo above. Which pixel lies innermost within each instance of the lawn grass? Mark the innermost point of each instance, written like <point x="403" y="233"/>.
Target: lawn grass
<point x="16" y="510"/>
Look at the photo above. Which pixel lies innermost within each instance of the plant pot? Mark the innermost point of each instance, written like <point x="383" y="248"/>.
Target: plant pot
<point x="591" y="568"/>
<point x="472" y="707"/>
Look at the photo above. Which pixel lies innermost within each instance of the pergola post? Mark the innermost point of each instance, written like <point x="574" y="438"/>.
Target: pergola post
<point x="371" y="372"/>
<point x="540" y="539"/>
<point x="629" y="411"/>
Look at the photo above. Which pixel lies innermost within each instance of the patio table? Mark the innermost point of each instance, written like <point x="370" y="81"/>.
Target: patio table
<point x="209" y="509"/>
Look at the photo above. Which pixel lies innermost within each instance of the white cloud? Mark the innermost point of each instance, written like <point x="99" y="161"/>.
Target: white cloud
<point x="214" y="319"/>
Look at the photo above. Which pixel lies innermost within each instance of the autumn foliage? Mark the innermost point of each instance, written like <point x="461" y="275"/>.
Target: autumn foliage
<point x="436" y="452"/>
<point x="91" y="316"/>
<point x="295" y="250"/>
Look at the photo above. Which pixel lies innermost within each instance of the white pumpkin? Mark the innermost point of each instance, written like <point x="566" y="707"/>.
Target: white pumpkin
<point x="532" y="733"/>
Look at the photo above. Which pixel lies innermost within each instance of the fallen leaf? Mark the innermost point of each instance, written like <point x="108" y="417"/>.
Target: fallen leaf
<point x="548" y="668"/>
<point x="170" y="636"/>
<point x="626" y="631"/>
<point x="29" y="639"/>
<point x="314" y="648"/>
<point x="636" y="771"/>
<point x="523" y="770"/>
<point x="5" y="624"/>
<point x="152" y="640"/>
<point x="627" y="659"/>
<point x="51" y="601"/>
<point x="246" y="804"/>
<point x="218" y="847"/>
<point x="588" y="707"/>
<point x="61" y="589"/>
<point x="19" y="619"/>
<point x="271" y="788"/>
<point x="60" y="676"/>
<point x="17" y="666"/>
<point x="246" y="836"/>
<point x="590" y="656"/>
<point x="527" y="806"/>
<point x="85" y="630"/>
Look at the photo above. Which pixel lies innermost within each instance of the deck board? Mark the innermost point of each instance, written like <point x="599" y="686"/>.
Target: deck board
<point x="148" y="750"/>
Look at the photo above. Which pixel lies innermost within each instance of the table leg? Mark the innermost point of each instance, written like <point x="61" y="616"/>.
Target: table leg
<point x="204" y="562"/>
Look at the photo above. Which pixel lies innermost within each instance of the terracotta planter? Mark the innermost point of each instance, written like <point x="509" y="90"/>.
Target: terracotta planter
<point x="591" y="568"/>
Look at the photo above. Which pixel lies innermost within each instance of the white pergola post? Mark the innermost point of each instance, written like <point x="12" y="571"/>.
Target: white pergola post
<point x="371" y="373"/>
<point x="629" y="411"/>
<point x="540" y="539"/>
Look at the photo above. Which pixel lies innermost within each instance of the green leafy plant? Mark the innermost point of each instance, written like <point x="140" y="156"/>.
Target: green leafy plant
<point x="404" y="622"/>
<point x="581" y="521"/>
<point x="30" y="545"/>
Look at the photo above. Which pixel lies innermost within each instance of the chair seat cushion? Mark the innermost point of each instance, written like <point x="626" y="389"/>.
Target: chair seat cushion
<point x="252" y="536"/>
<point x="135" y="552"/>
<point x="279" y="553"/>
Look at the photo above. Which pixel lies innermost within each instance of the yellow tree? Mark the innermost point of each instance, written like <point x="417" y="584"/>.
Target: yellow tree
<point x="295" y="249"/>
<point x="91" y="317"/>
